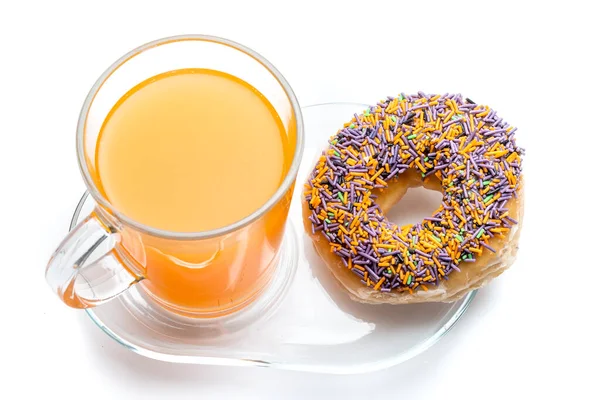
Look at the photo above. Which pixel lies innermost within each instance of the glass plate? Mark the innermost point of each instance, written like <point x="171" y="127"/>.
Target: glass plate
<point x="303" y="321"/>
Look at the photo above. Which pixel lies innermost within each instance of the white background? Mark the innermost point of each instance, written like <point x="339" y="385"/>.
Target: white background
<point x="532" y="332"/>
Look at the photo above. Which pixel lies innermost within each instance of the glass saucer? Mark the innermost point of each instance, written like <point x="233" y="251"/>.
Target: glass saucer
<point x="302" y="321"/>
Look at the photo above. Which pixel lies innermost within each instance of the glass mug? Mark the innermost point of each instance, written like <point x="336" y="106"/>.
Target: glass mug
<point x="201" y="274"/>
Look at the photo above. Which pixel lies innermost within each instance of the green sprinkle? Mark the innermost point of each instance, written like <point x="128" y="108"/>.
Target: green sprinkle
<point x="488" y="198"/>
<point x="470" y="256"/>
<point x="480" y="233"/>
<point x="411" y="136"/>
<point x="346" y="224"/>
<point x="464" y="256"/>
<point x="336" y="153"/>
<point x="352" y="126"/>
<point x="334" y="141"/>
<point x="461" y="230"/>
<point x="460" y="238"/>
<point x="436" y="238"/>
<point x="401" y="97"/>
<point x="341" y="197"/>
<point x="393" y="119"/>
<point x="367" y="112"/>
<point x="422" y="175"/>
<point x="426" y="159"/>
<point x="331" y="214"/>
<point x="409" y="280"/>
<point x="389" y="271"/>
<point x="327" y="220"/>
<point x="471" y="181"/>
<point x="485" y="183"/>
<point x="451" y="184"/>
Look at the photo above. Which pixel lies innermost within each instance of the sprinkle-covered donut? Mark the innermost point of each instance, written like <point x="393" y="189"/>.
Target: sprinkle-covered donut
<point x="463" y="149"/>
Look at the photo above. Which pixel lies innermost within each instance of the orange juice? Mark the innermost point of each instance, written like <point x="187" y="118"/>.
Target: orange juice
<point x="193" y="150"/>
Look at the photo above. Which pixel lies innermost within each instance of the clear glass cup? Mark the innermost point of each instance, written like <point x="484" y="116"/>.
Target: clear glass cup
<point x="200" y="274"/>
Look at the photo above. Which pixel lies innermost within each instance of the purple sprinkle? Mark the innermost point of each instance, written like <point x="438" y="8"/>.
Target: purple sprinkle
<point x="358" y="272"/>
<point x="488" y="247"/>
<point x="373" y="275"/>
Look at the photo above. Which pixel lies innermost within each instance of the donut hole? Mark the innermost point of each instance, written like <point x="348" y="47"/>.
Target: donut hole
<point x="417" y="204"/>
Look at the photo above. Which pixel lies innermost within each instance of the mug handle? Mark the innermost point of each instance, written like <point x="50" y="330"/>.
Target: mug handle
<point x="82" y="278"/>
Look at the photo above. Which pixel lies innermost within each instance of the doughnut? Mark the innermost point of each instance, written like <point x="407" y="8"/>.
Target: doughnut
<point x="442" y="142"/>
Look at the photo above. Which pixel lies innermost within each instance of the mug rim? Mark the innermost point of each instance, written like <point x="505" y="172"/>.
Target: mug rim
<point x="274" y="199"/>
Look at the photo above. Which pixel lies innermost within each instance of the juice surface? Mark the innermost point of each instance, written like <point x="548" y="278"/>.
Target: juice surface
<point x="191" y="150"/>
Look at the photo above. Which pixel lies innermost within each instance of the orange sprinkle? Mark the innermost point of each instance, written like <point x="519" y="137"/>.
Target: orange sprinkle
<point x="450" y="115"/>
<point x="381" y="181"/>
<point x="475" y="250"/>
<point x="484" y="113"/>
<point x="377" y="174"/>
<point x="429" y="245"/>
<point x="378" y="285"/>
